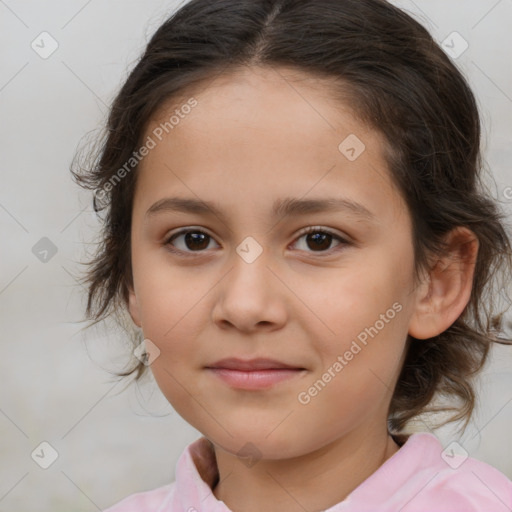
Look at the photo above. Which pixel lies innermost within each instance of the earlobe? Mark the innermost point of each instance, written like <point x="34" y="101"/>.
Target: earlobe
<point x="133" y="307"/>
<point x="446" y="290"/>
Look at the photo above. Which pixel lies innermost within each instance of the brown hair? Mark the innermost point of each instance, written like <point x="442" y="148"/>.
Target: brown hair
<point x="400" y="82"/>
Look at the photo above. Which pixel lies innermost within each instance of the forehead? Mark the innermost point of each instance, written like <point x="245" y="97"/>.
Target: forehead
<point x="265" y="99"/>
<point x="259" y="130"/>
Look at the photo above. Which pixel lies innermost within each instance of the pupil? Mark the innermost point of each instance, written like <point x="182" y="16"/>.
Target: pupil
<point x="195" y="238"/>
<point x="320" y="240"/>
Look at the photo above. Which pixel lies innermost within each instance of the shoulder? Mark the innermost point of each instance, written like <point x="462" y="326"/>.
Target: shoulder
<point x="146" y="501"/>
<point x="476" y="484"/>
<point x="423" y="476"/>
<point x="457" y="482"/>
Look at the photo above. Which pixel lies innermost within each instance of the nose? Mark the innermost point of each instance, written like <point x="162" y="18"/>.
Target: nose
<point x="250" y="297"/>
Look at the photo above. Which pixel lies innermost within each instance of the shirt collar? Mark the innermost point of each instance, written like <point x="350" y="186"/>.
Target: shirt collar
<point x="197" y="474"/>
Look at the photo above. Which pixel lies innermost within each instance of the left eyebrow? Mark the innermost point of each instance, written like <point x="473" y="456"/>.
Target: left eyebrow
<point x="286" y="207"/>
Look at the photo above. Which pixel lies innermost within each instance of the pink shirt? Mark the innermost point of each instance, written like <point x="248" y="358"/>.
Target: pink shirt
<point x="418" y="477"/>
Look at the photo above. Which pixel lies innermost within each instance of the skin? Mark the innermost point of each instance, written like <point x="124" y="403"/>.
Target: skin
<point x="255" y="136"/>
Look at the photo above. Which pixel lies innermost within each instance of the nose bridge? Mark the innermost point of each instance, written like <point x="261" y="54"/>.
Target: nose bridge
<point x="249" y="294"/>
<point x="250" y="250"/>
<point x="250" y="262"/>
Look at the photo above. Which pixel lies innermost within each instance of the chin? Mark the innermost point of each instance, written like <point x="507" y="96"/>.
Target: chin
<point x="253" y="444"/>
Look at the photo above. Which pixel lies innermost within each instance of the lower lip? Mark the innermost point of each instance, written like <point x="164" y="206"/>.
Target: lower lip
<point x="257" y="379"/>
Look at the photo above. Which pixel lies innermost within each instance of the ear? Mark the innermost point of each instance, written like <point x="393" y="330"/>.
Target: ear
<point x="133" y="307"/>
<point x="446" y="289"/>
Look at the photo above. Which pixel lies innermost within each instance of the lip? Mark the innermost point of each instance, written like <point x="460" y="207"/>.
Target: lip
<point x="260" y="363"/>
<point x="255" y="374"/>
<point x="255" y="379"/>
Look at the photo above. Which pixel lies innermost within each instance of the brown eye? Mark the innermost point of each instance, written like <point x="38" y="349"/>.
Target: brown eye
<point x="191" y="241"/>
<point x="320" y="240"/>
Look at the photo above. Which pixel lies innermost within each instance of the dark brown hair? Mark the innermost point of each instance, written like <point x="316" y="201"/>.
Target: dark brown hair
<point x="400" y="82"/>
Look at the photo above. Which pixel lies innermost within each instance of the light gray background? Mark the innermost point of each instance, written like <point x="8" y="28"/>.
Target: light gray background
<point x="113" y="441"/>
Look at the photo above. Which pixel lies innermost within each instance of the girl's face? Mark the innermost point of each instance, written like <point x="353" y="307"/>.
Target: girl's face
<point x="272" y="155"/>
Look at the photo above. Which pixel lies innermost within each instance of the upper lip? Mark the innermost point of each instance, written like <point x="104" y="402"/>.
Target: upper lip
<point x="233" y="363"/>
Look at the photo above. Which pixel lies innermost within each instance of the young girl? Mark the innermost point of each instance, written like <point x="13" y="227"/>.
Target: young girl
<point x="295" y="223"/>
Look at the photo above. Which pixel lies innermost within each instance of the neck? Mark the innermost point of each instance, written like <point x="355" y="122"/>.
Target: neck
<point x="313" y="481"/>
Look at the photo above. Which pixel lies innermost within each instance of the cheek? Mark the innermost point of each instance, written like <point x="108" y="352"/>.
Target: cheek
<point x="355" y="297"/>
<point x="166" y="293"/>
<point x="359" y="368"/>
<point x="173" y="308"/>
<point x="174" y="321"/>
<point x="366" y="311"/>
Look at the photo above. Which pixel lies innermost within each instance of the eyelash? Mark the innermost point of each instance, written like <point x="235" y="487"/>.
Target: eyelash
<point x="306" y="231"/>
